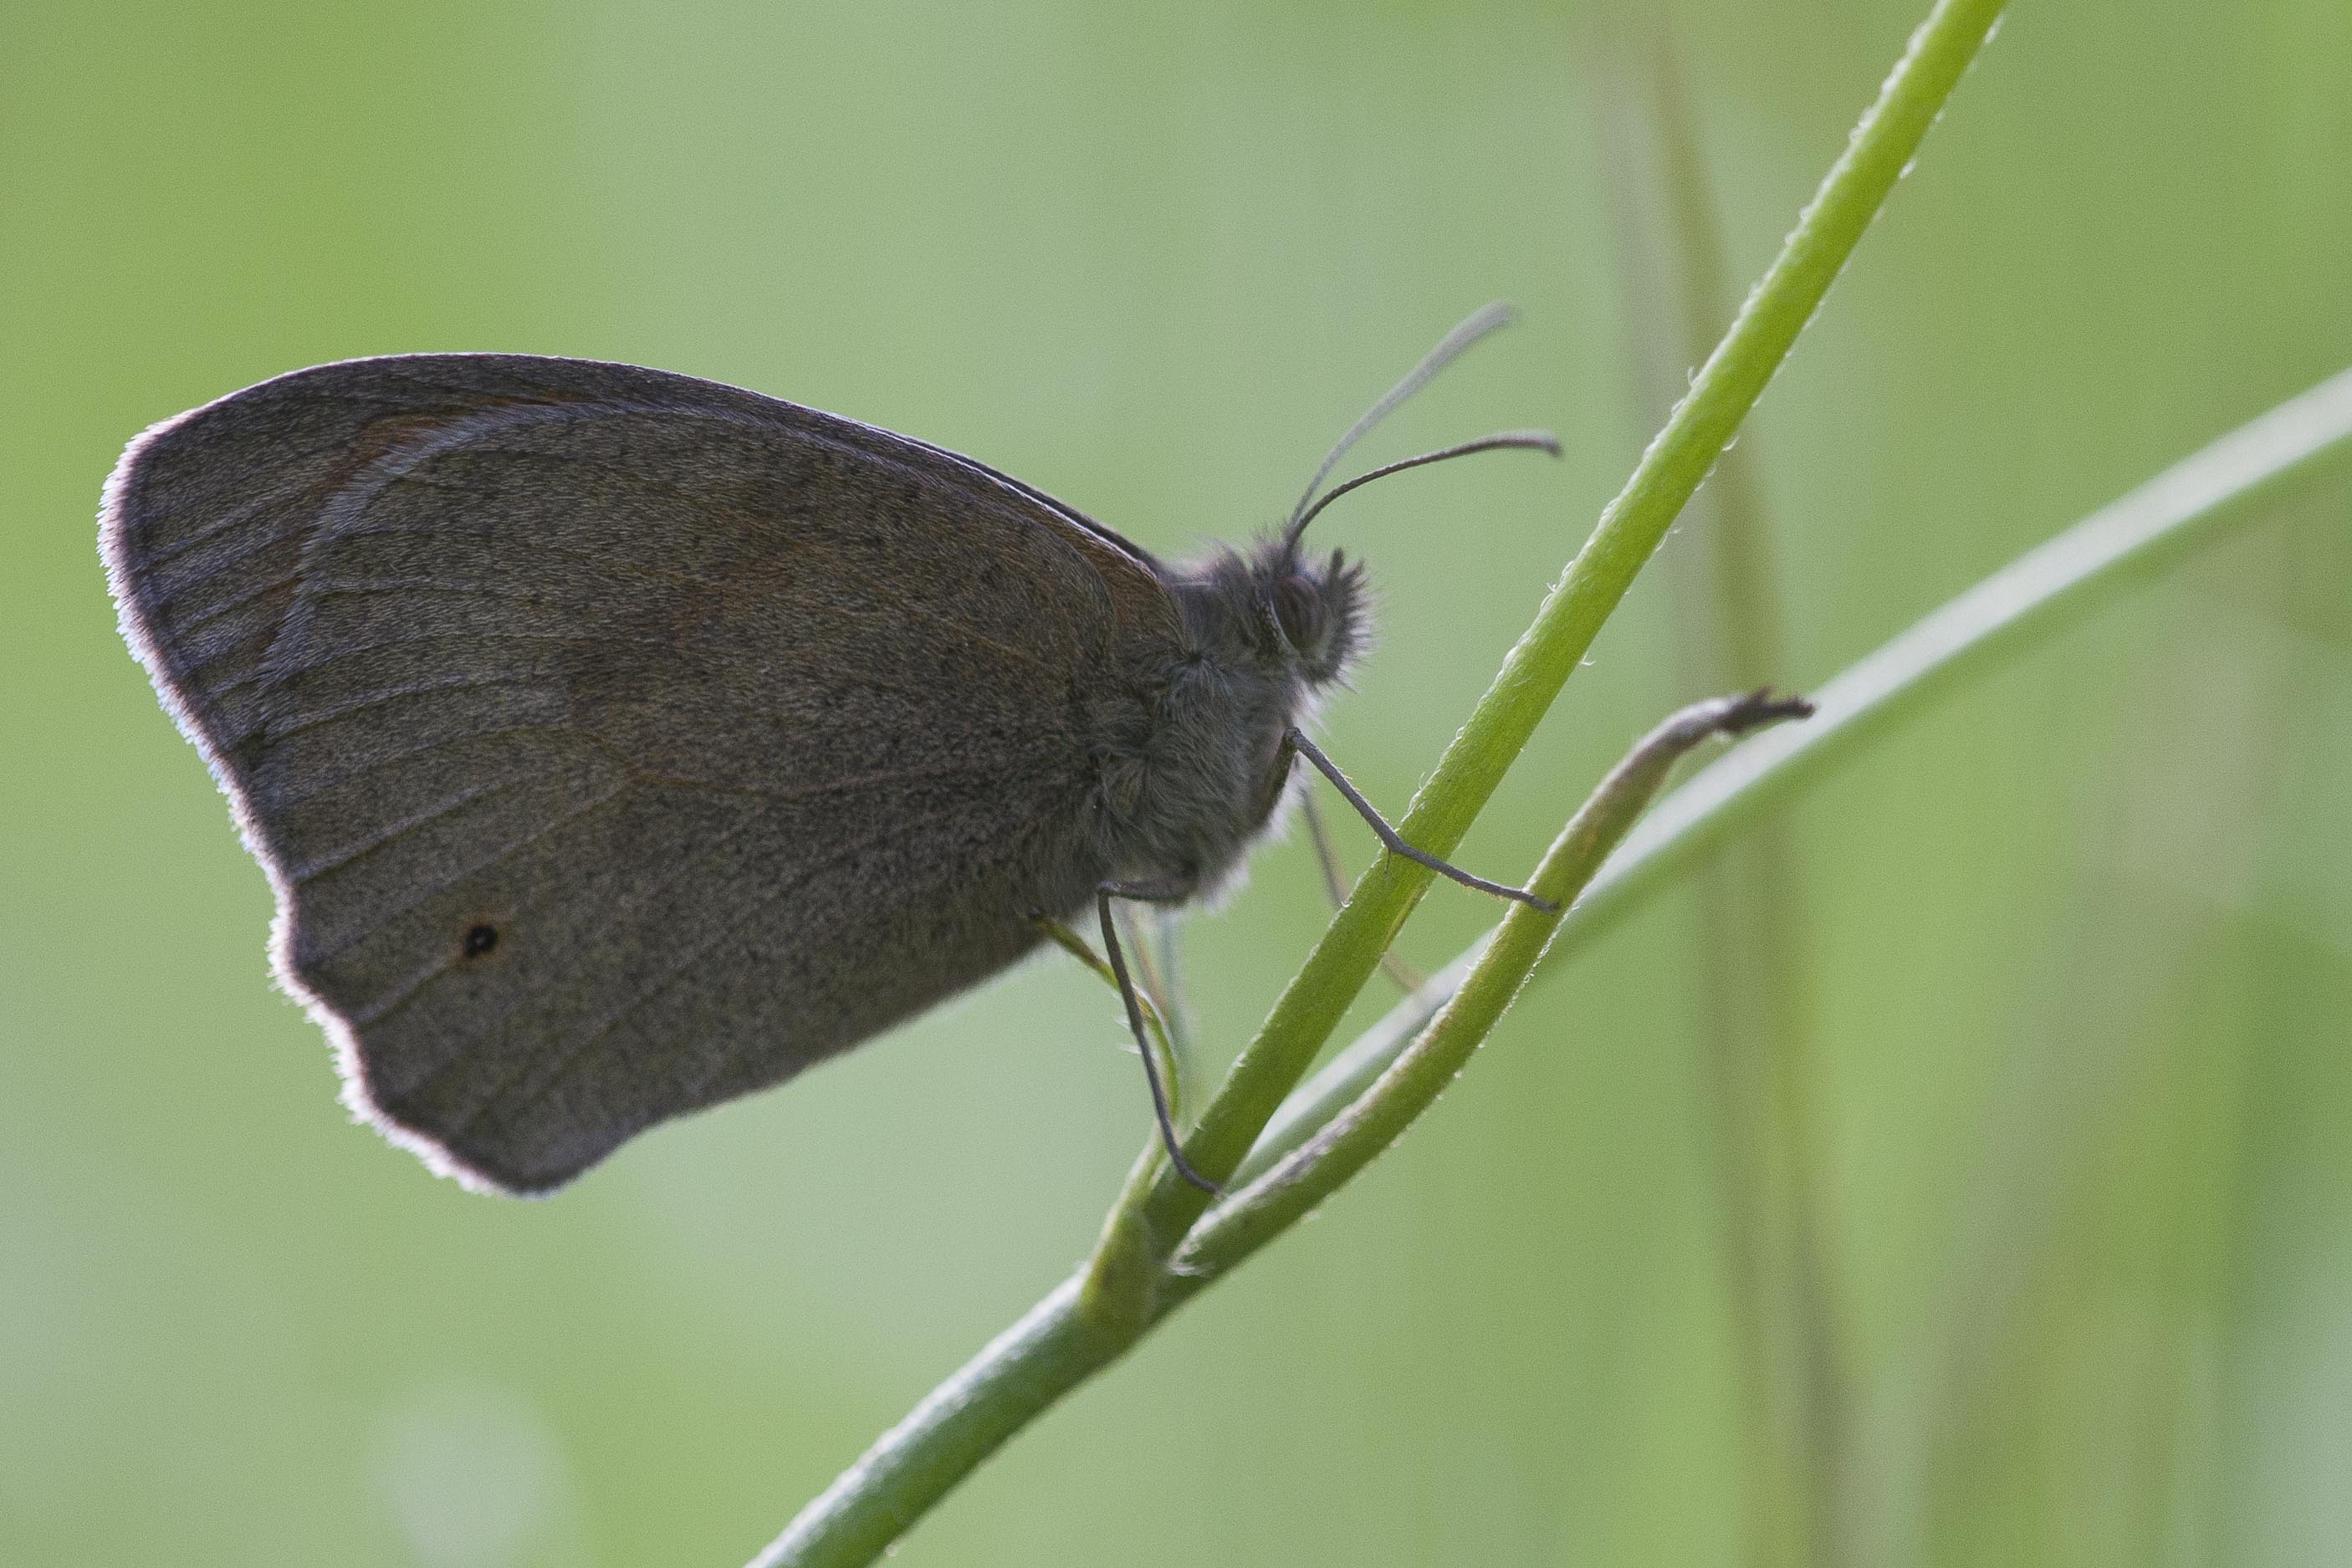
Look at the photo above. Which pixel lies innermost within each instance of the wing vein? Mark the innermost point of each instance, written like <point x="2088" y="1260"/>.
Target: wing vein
<point x="577" y="813"/>
<point x="393" y="832"/>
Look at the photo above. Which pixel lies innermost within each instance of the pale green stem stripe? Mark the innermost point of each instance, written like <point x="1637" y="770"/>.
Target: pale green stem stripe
<point x="1881" y="146"/>
<point x="2188" y="506"/>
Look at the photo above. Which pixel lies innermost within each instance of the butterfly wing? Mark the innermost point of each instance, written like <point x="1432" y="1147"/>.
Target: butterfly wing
<point x="616" y="742"/>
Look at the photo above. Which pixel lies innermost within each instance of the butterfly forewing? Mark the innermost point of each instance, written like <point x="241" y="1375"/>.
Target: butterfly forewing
<point x="617" y="742"/>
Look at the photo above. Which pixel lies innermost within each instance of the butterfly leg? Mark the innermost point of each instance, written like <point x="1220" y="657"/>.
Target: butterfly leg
<point x="1297" y="742"/>
<point x="1076" y="946"/>
<point x="1334" y="886"/>
<point x="1164" y="892"/>
<point x="1327" y="855"/>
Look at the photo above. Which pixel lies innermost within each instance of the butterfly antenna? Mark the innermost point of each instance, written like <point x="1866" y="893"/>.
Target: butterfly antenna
<point x="1448" y="350"/>
<point x="1506" y="441"/>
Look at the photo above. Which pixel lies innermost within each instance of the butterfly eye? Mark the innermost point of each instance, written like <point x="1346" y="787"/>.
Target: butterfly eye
<point x="1299" y="609"/>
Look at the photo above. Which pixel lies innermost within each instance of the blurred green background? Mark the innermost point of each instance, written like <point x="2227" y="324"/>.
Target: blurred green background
<point x="2073" y="965"/>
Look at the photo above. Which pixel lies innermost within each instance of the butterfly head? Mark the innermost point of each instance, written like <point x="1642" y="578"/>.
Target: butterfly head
<point x="1275" y="613"/>
<point x="1312" y="611"/>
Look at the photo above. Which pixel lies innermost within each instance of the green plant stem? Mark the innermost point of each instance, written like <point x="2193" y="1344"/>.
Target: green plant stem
<point x="1013" y="1377"/>
<point x="1629" y="527"/>
<point x="1352" y="1069"/>
<point x="1335" y="883"/>
<point x="1244" y="1221"/>
<point x="1092" y="1318"/>
<point x="2192" y="504"/>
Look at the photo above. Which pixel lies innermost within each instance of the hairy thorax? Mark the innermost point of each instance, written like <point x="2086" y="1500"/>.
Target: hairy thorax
<point x="1184" y="806"/>
<point x="1190" y="762"/>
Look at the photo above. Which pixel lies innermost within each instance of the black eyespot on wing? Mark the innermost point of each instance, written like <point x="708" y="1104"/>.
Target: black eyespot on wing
<point x="479" y="939"/>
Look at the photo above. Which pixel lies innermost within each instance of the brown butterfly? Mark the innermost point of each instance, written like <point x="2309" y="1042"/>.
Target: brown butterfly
<point x="618" y="743"/>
